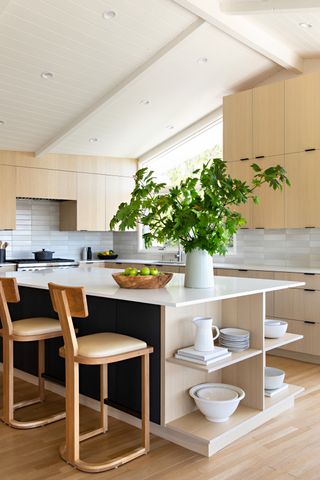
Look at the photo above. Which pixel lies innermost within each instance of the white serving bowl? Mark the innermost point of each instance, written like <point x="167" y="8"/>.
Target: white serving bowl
<point x="213" y="409"/>
<point x="217" y="393"/>
<point x="275" y="328"/>
<point x="273" y="378"/>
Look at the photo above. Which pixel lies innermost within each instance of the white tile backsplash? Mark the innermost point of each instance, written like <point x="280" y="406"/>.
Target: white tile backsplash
<point x="38" y="227"/>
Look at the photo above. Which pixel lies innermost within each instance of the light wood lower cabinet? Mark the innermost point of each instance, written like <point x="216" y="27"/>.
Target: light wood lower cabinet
<point x="7" y="198"/>
<point x="49" y="184"/>
<point x="310" y="344"/>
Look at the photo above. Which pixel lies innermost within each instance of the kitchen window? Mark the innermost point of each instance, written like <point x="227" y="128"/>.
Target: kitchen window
<point x="179" y="160"/>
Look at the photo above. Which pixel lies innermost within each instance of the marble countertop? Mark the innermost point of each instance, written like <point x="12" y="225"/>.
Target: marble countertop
<point x="99" y="282"/>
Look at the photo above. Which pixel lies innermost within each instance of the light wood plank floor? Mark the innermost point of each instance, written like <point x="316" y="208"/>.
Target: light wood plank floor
<point x="286" y="448"/>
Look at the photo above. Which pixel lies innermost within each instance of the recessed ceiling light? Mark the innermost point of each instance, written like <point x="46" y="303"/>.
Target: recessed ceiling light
<point x="202" y="60"/>
<point x="1" y="123"/>
<point x="46" y="75"/>
<point x="144" y="101"/>
<point x="169" y="127"/>
<point x="305" y="25"/>
<point x="109" y="14"/>
<point x="93" y="140"/>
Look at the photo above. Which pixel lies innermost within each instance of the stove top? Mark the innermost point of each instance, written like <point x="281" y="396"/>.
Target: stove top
<point x="32" y="260"/>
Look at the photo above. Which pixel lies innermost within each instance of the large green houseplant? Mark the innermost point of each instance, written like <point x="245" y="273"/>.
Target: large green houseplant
<point x="199" y="213"/>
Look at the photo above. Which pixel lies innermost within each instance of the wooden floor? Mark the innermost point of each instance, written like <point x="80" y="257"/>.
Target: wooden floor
<point x="285" y="448"/>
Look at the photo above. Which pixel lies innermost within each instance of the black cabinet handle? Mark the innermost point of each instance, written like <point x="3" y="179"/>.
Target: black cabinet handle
<point x="244" y="159"/>
<point x="307" y="273"/>
<point x="309" y="149"/>
<point x="259" y="156"/>
<point x="242" y="270"/>
<point x="309" y="227"/>
<point x="309" y="323"/>
<point x="259" y="228"/>
<point x="309" y="289"/>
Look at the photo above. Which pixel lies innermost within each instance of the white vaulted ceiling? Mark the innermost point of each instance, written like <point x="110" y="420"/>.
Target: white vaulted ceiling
<point x="103" y="69"/>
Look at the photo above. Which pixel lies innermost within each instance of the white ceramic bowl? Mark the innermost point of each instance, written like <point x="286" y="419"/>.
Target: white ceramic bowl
<point x="273" y="378"/>
<point x="217" y="410"/>
<point x="217" y="393"/>
<point x="275" y="328"/>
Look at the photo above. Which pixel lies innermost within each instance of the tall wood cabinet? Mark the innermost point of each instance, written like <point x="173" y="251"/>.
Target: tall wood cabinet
<point x="91" y="206"/>
<point x="302" y="113"/>
<point x="118" y="190"/>
<point x="242" y="171"/>
<point x="7" y="197"/>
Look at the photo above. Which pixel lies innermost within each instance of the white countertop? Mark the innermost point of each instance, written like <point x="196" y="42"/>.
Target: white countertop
<point x="231" y="266"/>
<point x="99" y="282"/>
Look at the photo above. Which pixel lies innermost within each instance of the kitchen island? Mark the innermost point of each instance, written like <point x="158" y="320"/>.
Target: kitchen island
<point x="162" y="318"/>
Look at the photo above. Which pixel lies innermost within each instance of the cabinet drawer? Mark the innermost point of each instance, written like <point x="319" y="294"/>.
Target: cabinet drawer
<point x="311" y="281"/>
<point x="297" y="304"/>
<point x="311" y="337"/>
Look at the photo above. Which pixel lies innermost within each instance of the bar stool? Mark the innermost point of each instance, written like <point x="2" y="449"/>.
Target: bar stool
<point x="26" y="330"/>
<point x="96" y="349"/>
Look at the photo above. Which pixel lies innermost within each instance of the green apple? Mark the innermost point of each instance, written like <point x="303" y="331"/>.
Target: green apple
<point x="145" y="271"/>
<point x="127" y="271"/>
<point x="154" y="271"/>
<point x="133" y="272"/>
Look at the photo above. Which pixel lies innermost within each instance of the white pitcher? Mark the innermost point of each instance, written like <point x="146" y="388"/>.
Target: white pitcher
<point x="204" y="336"/>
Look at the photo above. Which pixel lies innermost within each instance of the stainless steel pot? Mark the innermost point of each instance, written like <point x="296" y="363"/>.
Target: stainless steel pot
<point x="43" y="255"/>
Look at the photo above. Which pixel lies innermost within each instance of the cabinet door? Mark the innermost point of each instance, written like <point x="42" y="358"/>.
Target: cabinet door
<point x="311" y="337"/>
<point x="237" y="126"/>
<point x="270" y="212"/>
<point x="242" y="171"/>
<point x="268" y="120"/>
<point x="7" y="197"/>
<point x="302" y="199"/>
<point x="118" y="190"/>
<point x="302" y="113"/>
<point x="91" y="204"/>
<point x="42" y="183"/>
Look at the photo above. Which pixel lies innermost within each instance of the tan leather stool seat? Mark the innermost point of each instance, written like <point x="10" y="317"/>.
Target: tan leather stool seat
<point x="107" y="344"/>
<point x="36" y="326"/>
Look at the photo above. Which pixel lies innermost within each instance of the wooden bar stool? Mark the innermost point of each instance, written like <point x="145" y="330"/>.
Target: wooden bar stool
<point x="26" y="330"/>
<point x="96" y="349"/>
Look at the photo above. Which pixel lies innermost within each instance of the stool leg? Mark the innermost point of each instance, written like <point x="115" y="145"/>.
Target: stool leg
<point x="72" y="451"/>
<point x="41" y="368"/>
<point x="8" y="385"/>
<point x="145" y="401"/>
<point x="103" y="396"/>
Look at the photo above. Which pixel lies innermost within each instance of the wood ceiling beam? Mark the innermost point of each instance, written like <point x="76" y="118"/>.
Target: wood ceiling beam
<point x="118" y="90"/>
<point x="245" y="31"/>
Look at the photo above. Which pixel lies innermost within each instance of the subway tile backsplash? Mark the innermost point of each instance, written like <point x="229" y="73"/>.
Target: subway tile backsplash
<point x="38" y="227"/>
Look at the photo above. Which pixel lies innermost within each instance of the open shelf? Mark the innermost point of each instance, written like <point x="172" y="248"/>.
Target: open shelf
<point x="235" y="358"/>
<point x="215" y="436"/>
<point x="271" y="343"/>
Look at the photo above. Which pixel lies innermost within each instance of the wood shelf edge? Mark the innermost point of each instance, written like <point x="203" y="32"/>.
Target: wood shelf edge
<point x="271" y="343"/>
<point x="235" y="358"/>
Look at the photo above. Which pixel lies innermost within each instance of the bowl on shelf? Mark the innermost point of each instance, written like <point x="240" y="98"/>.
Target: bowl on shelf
<point x="275" y="328"/>
<point x="143" y="281"/>
<point x="221" y="400"/>
<point x="273" y="378"/>
<point x="102" y="256"/>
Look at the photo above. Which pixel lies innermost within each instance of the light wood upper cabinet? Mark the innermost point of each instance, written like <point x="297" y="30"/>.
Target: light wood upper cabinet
<point x="270" y="212"/>
<point x="302" y="113"/>
<point x="50" y="184"/>
<point x="302" y="199"/>
<point x="268" y="120"/>
<point x="242" y="171"/>
<point x="118" y="190"/>
<point x="91" y="204"/>
<point x="237" y="126"/>
<point x="7" y="198"/>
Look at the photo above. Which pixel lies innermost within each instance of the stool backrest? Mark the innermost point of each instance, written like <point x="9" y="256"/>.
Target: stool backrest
<point x="68" y="302"/>
<point x="9" y="293"/>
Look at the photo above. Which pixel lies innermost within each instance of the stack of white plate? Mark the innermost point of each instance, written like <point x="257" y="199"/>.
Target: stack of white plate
<point x="235" y="339"/>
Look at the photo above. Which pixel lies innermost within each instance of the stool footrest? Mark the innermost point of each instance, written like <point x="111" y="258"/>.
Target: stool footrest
<point x="36" y="423"/>
<point x="92" y="433"/>
<point x="26" y="403"/>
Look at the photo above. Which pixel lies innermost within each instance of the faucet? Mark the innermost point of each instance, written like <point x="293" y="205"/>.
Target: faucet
<point x="178" y="255"/>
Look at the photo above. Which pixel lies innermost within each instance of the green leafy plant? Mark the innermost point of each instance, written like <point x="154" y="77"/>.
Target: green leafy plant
<point x="199" y="213"/>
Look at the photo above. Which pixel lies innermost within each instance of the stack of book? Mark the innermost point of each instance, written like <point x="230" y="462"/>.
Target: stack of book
<point x="189" y="354"/>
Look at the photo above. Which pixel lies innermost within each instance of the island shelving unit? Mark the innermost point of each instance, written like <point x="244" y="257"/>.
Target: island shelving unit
<point x="163" y="319"/>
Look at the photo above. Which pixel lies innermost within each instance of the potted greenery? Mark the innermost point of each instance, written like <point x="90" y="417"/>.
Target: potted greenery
<point x="199" y="213"/>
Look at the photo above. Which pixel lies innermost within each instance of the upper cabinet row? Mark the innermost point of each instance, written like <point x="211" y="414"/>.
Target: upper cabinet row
<point x="283" y="117"/>
<point x="91" y="199"/>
